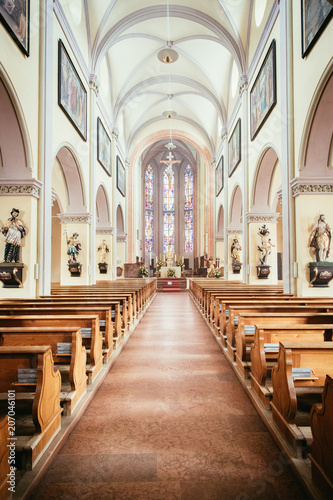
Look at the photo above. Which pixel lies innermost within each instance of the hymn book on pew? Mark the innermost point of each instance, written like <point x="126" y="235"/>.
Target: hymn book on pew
<point x="302" y="373"/>
<point x="27" y="376"/>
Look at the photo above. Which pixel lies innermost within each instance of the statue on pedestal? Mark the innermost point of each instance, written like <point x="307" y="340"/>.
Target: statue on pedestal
<point x="321" y="271"/>
<point x="320" y="239"/>
<point x="235" y="256"/>
<point x="13" y="230"/>
<point x="211" y="270"/>
<point x="266" y="244"/>
<point x="169" y="258"/>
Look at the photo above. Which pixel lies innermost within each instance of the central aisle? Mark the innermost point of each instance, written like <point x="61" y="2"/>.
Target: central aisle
<point x="170" y="421"/>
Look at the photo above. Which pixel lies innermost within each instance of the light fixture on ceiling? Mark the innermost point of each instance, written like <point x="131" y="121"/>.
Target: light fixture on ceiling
<point x="169" y="113"/>
<point x="168" y="55"/>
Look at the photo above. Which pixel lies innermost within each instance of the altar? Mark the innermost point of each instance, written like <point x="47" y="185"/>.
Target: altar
<point x="177" y="269"/>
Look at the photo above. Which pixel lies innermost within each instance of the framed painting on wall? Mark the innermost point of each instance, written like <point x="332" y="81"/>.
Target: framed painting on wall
<point x="234" y="148"/>
<point x="103" y="147"/>
<point x="121" y="181"/>
<point x="316" y="15"/>
<point x="72" y="96"/>
<point x="15" y="16"/>
<point x="219" y="176"/>
<point x="263" y="92"/>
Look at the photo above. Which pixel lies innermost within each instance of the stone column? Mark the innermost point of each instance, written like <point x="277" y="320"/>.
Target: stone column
<point x="115" y="134"/>
<point x="94" y="89"/>
<point x="287" y="142"/>
<point x="46" y="75"/>
<point x="243" y="92"/>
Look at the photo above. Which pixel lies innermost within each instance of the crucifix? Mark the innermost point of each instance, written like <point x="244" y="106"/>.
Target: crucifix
<point x="169" y="162"/>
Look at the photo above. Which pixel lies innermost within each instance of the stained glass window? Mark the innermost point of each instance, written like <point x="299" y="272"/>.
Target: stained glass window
<point x="168" y="232"/>
<point x="188" y="188"/>
<point x="169" y="191"/>
<point x="149" y="183"/>
<point x="149" y="205"/>
<point x="149" y="231"/>
<point x="189" y="231"/>
<point x="188" y="206"/>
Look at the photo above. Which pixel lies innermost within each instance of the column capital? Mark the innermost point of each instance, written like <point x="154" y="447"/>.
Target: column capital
<point x="243" y="84"/>
<point x="115" y="133"/>
<point x="75" y="218"/>
<point x="94" y="83"/>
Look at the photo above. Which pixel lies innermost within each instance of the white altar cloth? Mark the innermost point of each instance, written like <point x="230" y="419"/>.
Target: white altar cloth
<point x="177" y="269"/>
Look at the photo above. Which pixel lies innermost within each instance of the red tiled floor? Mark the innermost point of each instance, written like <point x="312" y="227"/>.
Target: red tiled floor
<point x="170" y="421"/>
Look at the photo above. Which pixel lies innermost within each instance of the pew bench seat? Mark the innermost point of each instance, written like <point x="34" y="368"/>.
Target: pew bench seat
<point x="294" y="394"/>
<point x="265" y="350"/>
<point x="37" y="404"/>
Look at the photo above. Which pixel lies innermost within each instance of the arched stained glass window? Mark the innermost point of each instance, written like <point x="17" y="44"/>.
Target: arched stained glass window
<point x="149" y="206"/>
<point x="188" y="188"/>
<point x="149" y="188"/>
<point x="149" y="232"/>
<point x="188" y="206"/>
<point x="168" y="191"/>
<point x="168" y="211"/>
<point x="168" y="232"/>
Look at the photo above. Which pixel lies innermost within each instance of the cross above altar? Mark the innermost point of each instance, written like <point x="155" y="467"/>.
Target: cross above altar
<point x="169" y="162"/>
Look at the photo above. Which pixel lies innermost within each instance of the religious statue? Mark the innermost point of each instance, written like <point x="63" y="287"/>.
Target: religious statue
<point x="266" y="245"/>
<point x="13" y="230"/>
<point x="169" y="258"/>
<point x="103" y="249"/>
<point x="235" y="251"/>
<point x="320" y="239"/>
<point x="73" y="247"/>
<point x="211" y="270"/>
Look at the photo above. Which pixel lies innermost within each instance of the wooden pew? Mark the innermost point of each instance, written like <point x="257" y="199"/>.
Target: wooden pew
<point x="127" y="304"/>
<point x="6" y="472"/>
<point x="37" y="405"/>
<point x="72" y="366"/>
<point x="264" y="353"/>
<point x="89" y="322"/>
<point x="230" y="306"/>
<point x="321" y="455"/>
<point x="35" y="307"/>
<point x="293" y="397"/>
<point x="246" y="329"/>
<point x="267" y="308"/>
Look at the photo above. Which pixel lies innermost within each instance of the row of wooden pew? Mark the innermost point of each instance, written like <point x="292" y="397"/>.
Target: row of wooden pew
<point x="50" y="349"/>
<point x="282" y="350"/>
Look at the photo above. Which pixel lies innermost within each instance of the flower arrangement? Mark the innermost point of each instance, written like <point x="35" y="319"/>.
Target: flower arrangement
<point x="171" y="273"/>
<point x="143" y="271"/>
<point x="160" y="263"/>
<point x="218" y="274"/>
<point x="179" y="262"/>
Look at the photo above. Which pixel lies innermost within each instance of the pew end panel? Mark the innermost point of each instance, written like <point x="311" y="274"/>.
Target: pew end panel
<point x="264" y="354"/>
<point x="321" y="455"/>
<point x="45" y="413"/>
<point x="291" y="393"/>
<point x="5" y="494"/>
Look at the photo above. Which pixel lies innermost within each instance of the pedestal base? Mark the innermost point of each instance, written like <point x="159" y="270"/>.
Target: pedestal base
<point x="263" y="272"/>
<point x="11" y="274"/>
<point x="75" y="269"/>
<point x="103" y="267"/>
<point x="321" y="273"/>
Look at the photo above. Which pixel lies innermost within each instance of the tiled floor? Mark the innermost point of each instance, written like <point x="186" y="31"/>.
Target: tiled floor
<point x="170" y="421"/>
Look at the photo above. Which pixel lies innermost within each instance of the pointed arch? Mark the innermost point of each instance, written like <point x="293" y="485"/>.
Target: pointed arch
<point x="16" y="151"/>
<point x="73" y="179"/>
<point x="102" y="207"/>
<point x="263" y="179"/>
<point x="236" y="208"/>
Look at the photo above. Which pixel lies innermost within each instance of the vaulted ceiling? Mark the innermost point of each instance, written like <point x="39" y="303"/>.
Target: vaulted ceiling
<point x="214" y="40"/>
